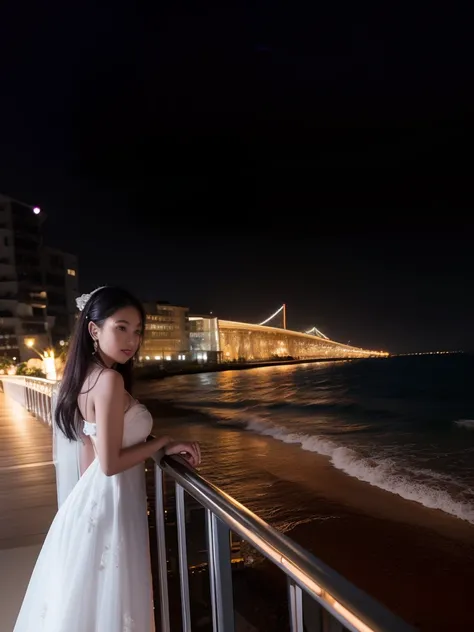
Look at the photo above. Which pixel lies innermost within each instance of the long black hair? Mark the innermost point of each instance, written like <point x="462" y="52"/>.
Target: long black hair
<point x="102" y="304"/>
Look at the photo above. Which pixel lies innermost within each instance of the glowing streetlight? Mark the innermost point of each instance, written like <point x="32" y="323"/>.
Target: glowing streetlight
<point x="49" y="363"/>
<point x="36" y="210"/>
<point x="47" y="357"/>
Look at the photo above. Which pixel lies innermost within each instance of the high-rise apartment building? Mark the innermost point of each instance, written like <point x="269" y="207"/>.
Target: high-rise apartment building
<point x="60" y="278"/>
<point x="27" y="272"/>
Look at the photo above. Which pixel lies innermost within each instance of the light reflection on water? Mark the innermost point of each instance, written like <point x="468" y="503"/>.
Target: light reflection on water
<point x="393" y="423"/>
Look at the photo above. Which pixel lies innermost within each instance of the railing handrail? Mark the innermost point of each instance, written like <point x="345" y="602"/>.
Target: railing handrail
<point x="325" y="585"/>
<point x="40" y="380"/>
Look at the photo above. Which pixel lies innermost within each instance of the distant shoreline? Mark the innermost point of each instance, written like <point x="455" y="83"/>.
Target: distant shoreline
<point x="157" y="371"/>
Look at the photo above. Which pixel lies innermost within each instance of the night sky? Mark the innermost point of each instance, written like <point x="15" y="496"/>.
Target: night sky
<point x="232" y="158"/>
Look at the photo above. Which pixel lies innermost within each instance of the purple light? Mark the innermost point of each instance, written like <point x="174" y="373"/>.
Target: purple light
<point x="37" y="210"/>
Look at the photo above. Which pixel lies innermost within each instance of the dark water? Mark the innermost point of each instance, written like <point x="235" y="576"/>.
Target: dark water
<point x="405" y="425"/>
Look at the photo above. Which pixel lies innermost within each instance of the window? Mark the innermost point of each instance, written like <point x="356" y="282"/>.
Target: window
<point x="54" y="280"/>
<point x="71" y="272"/>
<point x="56" y="261"/>
<point x="38" y="311"/>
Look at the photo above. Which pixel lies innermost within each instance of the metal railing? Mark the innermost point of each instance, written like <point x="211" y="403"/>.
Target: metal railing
<point x="33" y="393"/>
<point x="345" y="607"/>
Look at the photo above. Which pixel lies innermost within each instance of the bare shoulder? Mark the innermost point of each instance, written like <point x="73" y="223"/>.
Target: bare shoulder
<point x="110" y="381"/>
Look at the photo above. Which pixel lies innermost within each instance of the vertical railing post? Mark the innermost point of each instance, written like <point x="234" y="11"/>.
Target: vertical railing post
<point x="49" y="409"/>
<point x="183" y="559"/>
<point x="35" y="406"/>
<point x="161" y="544"/>
<point x="295" y="602"/>
<point x="27" y="398"/>
<point x="43" y="406"/>
<point x="220" y="574"/>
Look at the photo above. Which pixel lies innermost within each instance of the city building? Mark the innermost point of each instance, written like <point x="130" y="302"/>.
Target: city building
<point x="249" y="342"/>
<point x="217" y="340"/>
<point x="204" y="339"/>
<point x="27" y="272"/>
<point x="166" y="333"/>
<point x="60" y="278"/>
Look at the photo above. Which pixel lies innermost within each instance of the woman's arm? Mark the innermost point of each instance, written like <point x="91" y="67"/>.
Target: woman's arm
<point x="109" y="417"/>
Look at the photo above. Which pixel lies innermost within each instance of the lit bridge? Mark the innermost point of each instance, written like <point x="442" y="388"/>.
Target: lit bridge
<point x="245" y="341"/>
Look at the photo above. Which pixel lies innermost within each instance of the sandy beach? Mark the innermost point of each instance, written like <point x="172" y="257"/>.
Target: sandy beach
<point x="416" y="561"/>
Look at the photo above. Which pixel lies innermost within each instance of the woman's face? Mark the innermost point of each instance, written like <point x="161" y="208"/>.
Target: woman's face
<point x="120" y="335"/>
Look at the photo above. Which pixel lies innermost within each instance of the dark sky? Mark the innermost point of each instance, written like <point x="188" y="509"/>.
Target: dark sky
<point x="233" y="157"/>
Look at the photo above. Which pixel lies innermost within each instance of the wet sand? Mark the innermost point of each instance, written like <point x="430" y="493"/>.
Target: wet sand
<point x="418" y="562"/>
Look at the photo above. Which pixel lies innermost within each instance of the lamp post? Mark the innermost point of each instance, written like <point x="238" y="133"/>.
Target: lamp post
<point x="47" y="357"/>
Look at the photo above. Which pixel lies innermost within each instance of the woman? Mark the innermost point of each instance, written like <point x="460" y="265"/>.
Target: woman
<point x="93" y="573"/>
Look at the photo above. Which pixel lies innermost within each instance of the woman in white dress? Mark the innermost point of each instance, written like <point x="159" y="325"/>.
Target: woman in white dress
<point x="93" y="573"/>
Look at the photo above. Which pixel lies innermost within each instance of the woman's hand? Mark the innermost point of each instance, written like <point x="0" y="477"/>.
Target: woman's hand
<point x="166" y="440"/>
<point x="189" y="450"/>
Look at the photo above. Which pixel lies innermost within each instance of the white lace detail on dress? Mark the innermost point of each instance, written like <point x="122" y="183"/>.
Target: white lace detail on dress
<point x="89" y="429"/>
<point x="128" y="623"/>
<point x="92" y="516"/>
<point x="103" y="559"/>
<point x="106" y="556"/>
<point x="43" y="614"/>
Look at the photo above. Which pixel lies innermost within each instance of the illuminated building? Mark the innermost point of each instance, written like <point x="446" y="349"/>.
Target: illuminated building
<point x="166" y="333"/>
<point x="244" y="341"/>
<point x="204" y="339"/>
<point x="173" y="335"/>
<point x="23" y="297"/>
<point x="38" y="284"/>
<point x="214" y="339"/>
<point x="60" y="278"/>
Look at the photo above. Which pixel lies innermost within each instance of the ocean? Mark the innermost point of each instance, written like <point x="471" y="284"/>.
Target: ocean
<point x="366" y="464"/>
<point x="403" y="424"/>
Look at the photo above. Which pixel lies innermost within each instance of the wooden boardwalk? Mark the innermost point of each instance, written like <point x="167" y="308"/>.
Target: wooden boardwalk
<point x="27" y="477"/>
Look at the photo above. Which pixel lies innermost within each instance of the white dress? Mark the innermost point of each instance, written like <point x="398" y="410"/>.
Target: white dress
<point x="94" y="573"/>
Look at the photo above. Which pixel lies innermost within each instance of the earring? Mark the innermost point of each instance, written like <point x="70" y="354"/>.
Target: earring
<point x="96" y="347"/>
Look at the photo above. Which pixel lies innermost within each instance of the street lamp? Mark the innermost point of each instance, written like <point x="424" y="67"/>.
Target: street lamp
<point x="47" y="357"/>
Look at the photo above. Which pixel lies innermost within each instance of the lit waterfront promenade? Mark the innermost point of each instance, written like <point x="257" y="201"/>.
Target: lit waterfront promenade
<point x="27" y="501"/>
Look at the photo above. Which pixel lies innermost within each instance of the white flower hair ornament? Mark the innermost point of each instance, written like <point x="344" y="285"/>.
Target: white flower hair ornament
<point x="82" y="300"/>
